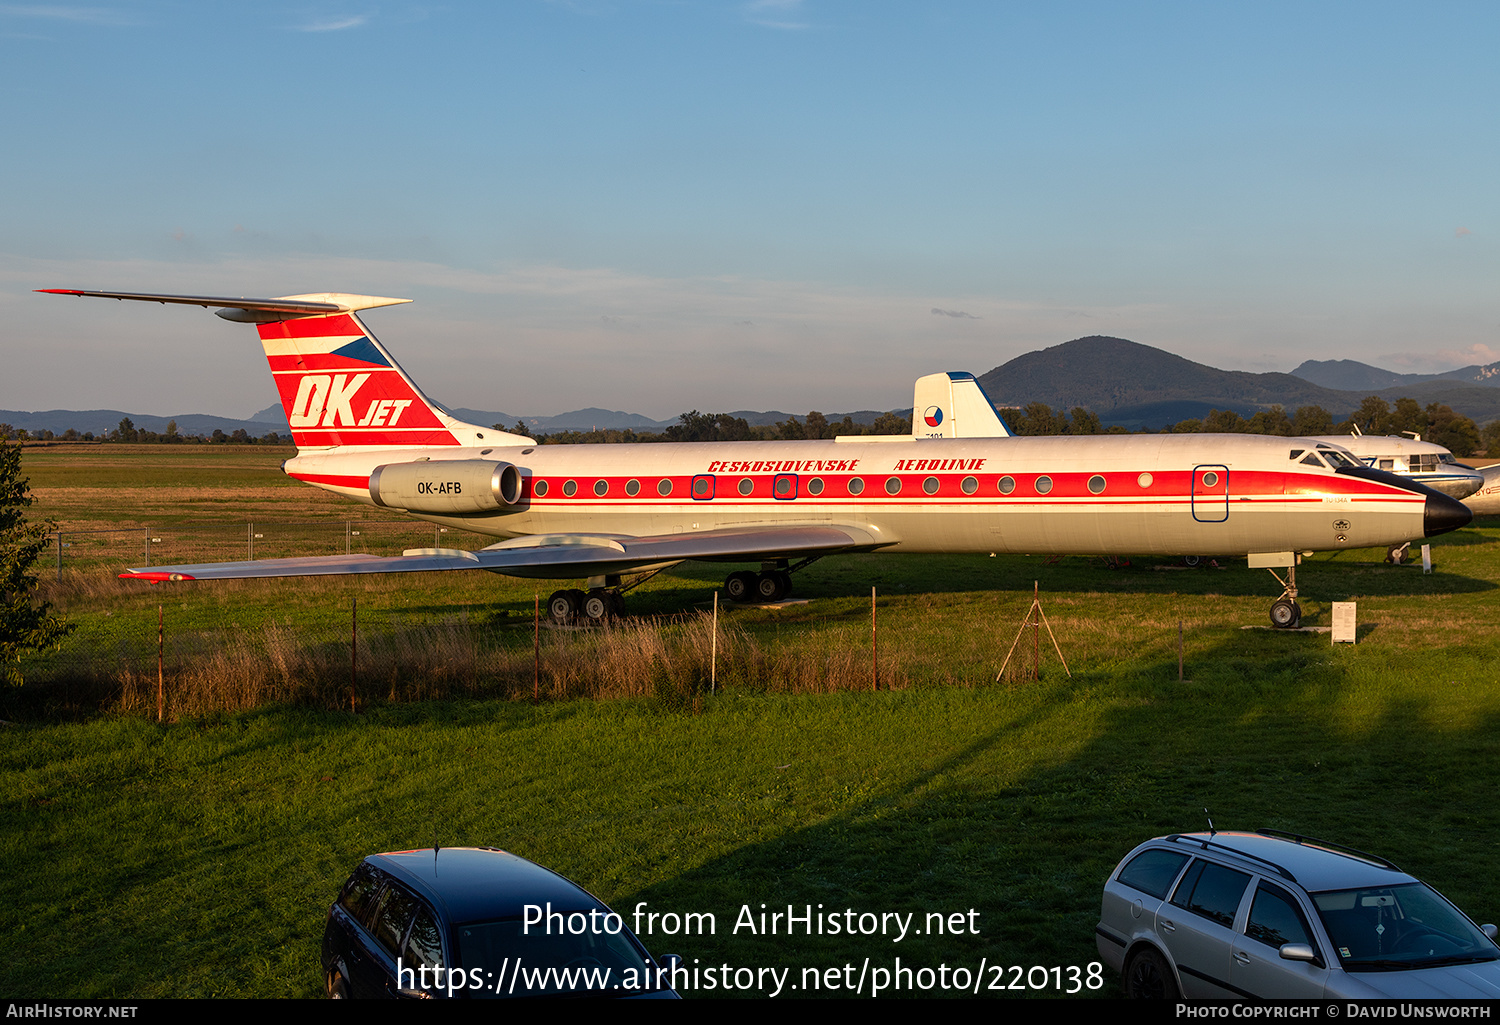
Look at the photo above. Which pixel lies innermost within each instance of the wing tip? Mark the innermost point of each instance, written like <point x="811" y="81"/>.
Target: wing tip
<point x="155" y="576"/>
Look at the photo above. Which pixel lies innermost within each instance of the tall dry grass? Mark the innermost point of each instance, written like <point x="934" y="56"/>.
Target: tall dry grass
<point x="669" y="659"/>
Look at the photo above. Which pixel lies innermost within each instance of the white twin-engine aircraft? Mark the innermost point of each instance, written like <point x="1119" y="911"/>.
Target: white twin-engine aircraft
<point x="959" y="483"/>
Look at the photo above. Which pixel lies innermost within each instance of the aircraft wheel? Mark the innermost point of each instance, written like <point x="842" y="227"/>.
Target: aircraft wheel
<point x="1396" y="554"/>
<point x="770" y="587"/>
<point x="1192" y="561"/>
<point x="786" y="582"/>
<point x="740" y="586"/>
<point x="564" y="606"/>
<point x="597" y="607"/>
<point x="1285" y="614"/>
<point x="616" y="604"/>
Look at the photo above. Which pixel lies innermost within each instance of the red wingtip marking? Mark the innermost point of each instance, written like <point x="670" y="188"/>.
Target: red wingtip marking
<point x="58" y="291"/>
<point x="156" y="577"/>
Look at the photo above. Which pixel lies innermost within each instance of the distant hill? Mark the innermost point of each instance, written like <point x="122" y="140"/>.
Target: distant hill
<point x="1351" y="375"/>
<point x="1121" y="379"/>
<point x="99" y="421"/>
<point x="1137" y="385"/>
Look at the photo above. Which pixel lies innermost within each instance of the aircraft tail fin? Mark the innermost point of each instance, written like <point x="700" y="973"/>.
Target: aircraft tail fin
<point x="339" y="387"/>
<point x="953" y="405"/>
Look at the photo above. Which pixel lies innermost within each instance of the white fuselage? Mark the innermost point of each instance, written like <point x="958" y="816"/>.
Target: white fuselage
<point x="1175" y="494"/>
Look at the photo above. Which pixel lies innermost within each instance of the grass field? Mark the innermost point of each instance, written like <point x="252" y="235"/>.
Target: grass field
<point x="199" y="857"/>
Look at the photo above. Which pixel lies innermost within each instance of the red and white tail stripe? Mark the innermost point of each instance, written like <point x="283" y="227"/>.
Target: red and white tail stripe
<point x="338" y="385"/>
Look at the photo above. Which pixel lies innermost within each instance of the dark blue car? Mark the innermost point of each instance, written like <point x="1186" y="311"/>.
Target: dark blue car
<point x="479" y="922"/>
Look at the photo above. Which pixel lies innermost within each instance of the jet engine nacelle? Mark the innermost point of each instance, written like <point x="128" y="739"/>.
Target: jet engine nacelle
<point x="448" y="487"/>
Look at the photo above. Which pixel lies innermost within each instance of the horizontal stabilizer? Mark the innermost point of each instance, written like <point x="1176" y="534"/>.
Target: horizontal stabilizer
<point x="562" y="555"/>
<point x="316" y="304"/>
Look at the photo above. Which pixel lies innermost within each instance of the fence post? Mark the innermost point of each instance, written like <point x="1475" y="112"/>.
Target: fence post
<point x="148" y="546"/>
<point x="59" y="555"/>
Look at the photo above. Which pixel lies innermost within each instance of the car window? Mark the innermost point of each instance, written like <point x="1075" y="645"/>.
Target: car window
<point x="1153" y="871"/>
<point x="425" y="944"/>
<point x="1275" y="919"/>
<point x="392" y="916"/>
<point x="1212" y="891"/>
<point x="590" y="961"/>
<point x="1405" y="926"/>
<point x="358" y="891"/>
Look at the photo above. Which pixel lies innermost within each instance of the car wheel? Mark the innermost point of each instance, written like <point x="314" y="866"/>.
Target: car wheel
<point x="1149" y="977"/>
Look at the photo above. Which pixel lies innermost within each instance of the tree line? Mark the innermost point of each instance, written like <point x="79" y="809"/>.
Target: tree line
<point x="1436" y="423"/>
<point x="696" y="426"/>
<point x="129" y="433"/>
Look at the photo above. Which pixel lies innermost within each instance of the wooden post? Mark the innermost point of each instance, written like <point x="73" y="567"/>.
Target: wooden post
<point x="160" y="688"/>
<point x="59" y="555"/>
<point x="1036" y="635"/>
<point x="353" y="651"/>
<point x="713" y="658"/>
<point x="1179" y="651"/>
<point x="874" y="646"/>
<point x="536" y="650"/>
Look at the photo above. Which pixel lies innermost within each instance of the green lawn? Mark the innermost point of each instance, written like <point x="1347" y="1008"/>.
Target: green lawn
<point x="199" y="857"/>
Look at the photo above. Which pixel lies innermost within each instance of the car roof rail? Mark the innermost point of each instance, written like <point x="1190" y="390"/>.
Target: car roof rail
<point x="1337" y="848"/>
<point x="1280" y="870"/>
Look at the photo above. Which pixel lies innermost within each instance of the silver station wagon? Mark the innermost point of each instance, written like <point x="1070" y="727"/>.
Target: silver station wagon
<point x="1277" y="915"/>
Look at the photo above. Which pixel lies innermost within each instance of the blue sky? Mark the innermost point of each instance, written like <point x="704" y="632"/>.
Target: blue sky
<point x="654" y="206"/>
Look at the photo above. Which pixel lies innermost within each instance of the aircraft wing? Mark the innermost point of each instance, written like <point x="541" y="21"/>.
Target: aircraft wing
<point x="549" y="556"/>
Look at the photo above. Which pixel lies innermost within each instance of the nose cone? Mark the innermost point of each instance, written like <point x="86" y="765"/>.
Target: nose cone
<point x="1442" y="514"/>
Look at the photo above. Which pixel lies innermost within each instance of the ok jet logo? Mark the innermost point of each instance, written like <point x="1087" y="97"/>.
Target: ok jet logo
<point x="324" y="400"/>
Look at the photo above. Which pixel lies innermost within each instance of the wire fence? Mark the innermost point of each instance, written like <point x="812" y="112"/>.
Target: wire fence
<point x="141" y="547"/>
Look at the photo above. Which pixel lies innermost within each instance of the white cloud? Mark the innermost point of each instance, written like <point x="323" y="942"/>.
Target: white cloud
<point x="334" y="24"/>
<point x="775" y="14"/>
<point x="84" y="15"/>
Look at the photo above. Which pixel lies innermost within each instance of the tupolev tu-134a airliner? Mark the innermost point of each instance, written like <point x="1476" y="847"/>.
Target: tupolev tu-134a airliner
<point x="958" y="483"/>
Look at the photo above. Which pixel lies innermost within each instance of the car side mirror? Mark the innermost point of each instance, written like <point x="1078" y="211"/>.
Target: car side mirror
<point x="1489" y="930"/>
<point x="1298" y="952"/>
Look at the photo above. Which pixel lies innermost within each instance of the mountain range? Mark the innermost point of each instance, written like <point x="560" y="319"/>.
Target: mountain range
<point x="1123" y="382"/>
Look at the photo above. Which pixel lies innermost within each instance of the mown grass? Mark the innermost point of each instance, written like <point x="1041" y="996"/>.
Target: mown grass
<point x="198" y="857"/>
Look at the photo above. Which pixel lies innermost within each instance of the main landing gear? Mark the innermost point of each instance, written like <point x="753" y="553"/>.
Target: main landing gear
<point x="602" y="602"/>
<point x="772" y="583"/>
<point x="767" y="585"/>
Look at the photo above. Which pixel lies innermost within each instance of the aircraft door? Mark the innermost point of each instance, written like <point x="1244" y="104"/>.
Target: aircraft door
<point x="1210" y="493"/>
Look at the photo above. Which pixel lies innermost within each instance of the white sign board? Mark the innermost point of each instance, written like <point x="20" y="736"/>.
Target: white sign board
<point x="1343" y="622"/>
<point x="1427" y="558"/>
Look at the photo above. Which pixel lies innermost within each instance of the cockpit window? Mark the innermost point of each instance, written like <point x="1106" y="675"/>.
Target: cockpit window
<point x="1338" y="460"/>
<point x="1312" y="460"/>
<point x="1296" y="452"/>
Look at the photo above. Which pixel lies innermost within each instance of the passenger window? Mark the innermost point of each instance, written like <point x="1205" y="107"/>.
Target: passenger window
<point x="1212" y="891"/>
<point x="1153" y="871"/>
<point x="1275" y="919"/>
